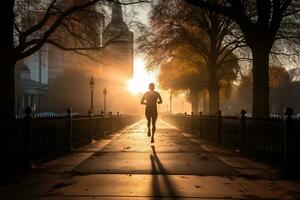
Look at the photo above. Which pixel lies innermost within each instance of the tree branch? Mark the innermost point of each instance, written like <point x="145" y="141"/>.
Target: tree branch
<point x="39" y="42"/>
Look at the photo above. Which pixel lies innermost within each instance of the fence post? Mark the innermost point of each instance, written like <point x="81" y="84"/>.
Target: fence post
<point x="289" y="147"/>
<point x="91" y="126"/>
<point x="219" y="127"/>
<point x="28" y="137"/>
<point x="191" y="124"/>
<point x="200" y="123"/>
<point x="125" y="119"/>
<point x="185" y="121"/>
<point x="118" y="121"/>
<point x="243" y="131"/>
<point x="122" y="120"/>
<point x="69" y="130"/>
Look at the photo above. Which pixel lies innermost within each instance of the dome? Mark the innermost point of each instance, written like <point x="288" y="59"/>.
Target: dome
<point x="23" y="68"/>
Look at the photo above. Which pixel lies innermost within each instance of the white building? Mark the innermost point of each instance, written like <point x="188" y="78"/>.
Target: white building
<point x="295" y="74"/>
<point x="32" y="81"/>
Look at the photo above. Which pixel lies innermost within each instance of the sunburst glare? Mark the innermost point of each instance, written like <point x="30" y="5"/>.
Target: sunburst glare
<point x="141" y="78"/>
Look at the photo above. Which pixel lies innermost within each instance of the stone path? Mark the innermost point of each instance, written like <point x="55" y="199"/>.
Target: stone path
<point x="127" y="166"/>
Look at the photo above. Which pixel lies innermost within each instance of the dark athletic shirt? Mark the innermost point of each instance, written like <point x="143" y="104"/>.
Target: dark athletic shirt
<point x="151" y="98"/>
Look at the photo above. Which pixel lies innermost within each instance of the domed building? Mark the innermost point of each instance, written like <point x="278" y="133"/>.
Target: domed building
<point x="118" y="42"/>
<point x="29" y="92"/>
<point x="36" y="74"/>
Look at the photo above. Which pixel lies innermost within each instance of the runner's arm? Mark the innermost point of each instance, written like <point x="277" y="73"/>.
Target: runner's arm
<point x="143" y="100"/>
<point x="160" y="101"/>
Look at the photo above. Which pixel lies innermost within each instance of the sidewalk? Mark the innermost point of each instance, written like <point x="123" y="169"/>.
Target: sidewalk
<point x="125" y="165"/>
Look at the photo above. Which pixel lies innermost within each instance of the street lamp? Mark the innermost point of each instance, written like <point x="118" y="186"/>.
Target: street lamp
<point x="92" y="84"/>
<point x="104" y="102"/>
<point x="171" y="99"/>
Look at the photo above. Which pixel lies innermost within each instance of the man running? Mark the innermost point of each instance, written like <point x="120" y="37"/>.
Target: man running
<point x="152" y="98"/>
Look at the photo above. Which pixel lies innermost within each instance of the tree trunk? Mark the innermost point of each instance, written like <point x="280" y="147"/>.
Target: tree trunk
<point x="204" y="102"/>
<point x="194" y="94"/>
<point x="213" y="91"/>
<point x="7" y="60"/>
<point x="171" y="102"/>
<point x="260" y="103"/>
<point x="7" y="82"/>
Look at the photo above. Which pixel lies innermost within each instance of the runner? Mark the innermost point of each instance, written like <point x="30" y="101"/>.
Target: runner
<point x="150" y="99"/>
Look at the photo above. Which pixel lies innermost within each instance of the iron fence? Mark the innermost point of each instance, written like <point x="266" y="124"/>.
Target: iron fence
<point x="28" y="139"/>
<point x="273" y="138"/>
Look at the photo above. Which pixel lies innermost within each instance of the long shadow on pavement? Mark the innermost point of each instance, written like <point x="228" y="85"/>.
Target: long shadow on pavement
<point x="158" y="170"/>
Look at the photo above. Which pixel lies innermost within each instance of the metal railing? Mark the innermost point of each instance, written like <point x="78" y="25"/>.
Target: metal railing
<point x="28" y="139"/>
<point x="273" y="138"/>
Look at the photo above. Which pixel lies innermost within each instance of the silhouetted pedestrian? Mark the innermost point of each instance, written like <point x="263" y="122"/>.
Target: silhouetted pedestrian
<point x="150" y="99"/>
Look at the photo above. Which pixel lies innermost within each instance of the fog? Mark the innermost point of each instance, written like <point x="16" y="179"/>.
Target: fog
<point x="71" y="89"/>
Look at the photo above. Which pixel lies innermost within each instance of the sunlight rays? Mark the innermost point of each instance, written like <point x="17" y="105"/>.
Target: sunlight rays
<point x="141" y="78"/>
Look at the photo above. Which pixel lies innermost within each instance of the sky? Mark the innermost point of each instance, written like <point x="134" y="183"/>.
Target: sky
<point x="142" y="77"/>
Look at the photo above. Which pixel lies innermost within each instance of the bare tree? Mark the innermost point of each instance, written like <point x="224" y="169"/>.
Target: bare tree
<point x="264" y="23"/>
<point x="29" y="24"/>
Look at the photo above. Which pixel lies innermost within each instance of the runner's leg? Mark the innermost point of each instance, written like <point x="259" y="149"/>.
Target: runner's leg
<point x="148" y="122"/>
<point x="154" y="118"/>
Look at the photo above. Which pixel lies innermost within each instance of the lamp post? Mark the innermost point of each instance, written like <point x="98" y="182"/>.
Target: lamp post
<point x="104" y="102"/>
<point x="171" y="99"/>
<point x="92" y="84"/>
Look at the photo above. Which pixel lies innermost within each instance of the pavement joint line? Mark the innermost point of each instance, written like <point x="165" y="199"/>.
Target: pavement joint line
<point x="138" y="196"/>
<point x="170" y="125"/>
<point x="88" y="151"/>
<point x="222" y="154"/>
<point x="183" y="133"/>
<point x="180" y="131"/>
<point x="55" y="166"/>
<point x="120" y="132"/>
<point x="160" y="152"/>
<point x="162" y="174"/>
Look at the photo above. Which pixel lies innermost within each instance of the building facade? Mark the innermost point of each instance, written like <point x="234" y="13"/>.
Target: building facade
<point x="118" y="42"/>
<point x="36" y="73"/>
<point x="32" y="83"/>
<point x="295" y="74"/>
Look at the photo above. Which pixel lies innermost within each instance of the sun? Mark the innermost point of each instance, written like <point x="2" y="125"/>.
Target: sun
<point x="132" y="87"/>
<point x="141" y="78"/>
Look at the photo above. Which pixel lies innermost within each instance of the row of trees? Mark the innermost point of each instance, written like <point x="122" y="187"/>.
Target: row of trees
<point x="221" y="33"/>
<point x="268" y="26"/>
<point x="183" y="36"/>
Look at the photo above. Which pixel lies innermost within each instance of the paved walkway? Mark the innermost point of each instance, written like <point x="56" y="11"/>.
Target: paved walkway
<point x="126" y="166"/>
